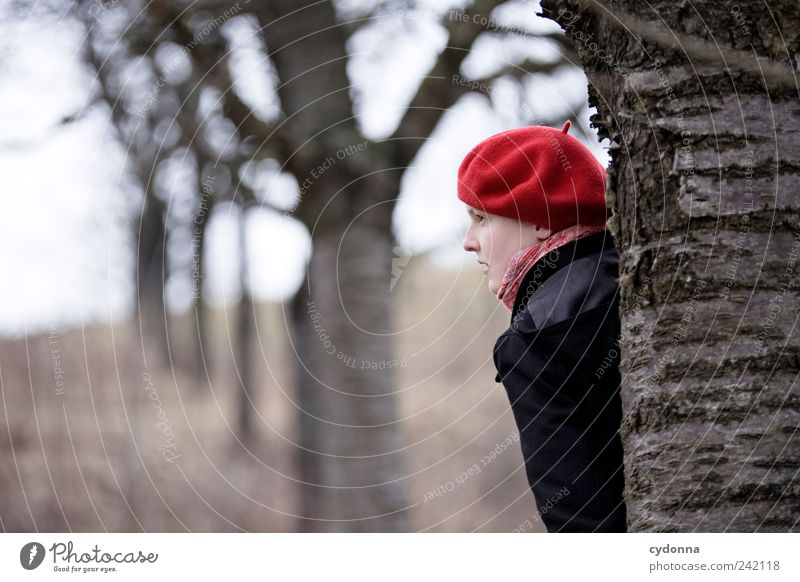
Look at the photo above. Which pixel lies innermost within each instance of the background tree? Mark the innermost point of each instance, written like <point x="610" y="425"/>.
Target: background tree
<point x="165" y="70"/>
<point x="700" y="102"/>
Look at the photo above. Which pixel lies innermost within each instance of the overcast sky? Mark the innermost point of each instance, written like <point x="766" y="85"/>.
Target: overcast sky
<point x="65" y="252"/>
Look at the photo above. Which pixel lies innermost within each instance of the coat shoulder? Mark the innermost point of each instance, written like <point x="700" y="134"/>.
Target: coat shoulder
<point x="587" y="283"/>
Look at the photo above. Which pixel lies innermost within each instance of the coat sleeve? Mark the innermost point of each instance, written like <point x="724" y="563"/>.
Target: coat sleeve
<point x="568" y="428"/>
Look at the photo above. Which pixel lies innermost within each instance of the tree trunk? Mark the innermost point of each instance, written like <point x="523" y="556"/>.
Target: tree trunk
<point x="246" y="313"/>
<point x="302" y="338"/>
<point x="703" y="184"/>
<point x="151" y="273"/>
<point x="202" y="356"/>
<point x="349" y="430"/>
<point x="352" y="459"/>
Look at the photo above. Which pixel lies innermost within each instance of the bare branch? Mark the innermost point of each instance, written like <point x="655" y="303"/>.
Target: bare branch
<point x="522" y="70"/>
<point x="270" y="141"/>
<point x="438" y="91"/>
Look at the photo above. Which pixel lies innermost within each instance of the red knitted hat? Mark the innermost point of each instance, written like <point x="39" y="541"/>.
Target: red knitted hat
<point x="535" y="174"/>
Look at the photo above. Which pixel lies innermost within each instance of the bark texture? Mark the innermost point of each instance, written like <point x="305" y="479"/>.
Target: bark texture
<point x="704" y="188"/>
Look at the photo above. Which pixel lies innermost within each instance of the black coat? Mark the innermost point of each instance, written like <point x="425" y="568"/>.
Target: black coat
<point x="559" y="364"/>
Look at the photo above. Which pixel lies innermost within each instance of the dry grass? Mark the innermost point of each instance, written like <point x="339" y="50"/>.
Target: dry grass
<point x="88" y="459"/>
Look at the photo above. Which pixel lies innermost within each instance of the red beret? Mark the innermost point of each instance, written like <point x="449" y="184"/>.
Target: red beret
<point x="535" y="174"/>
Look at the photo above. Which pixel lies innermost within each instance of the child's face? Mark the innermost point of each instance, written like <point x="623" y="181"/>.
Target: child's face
<point x="495" y="238"/>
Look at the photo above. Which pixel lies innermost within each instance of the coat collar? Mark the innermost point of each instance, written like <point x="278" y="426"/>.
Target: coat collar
<point x="556" y="259"/>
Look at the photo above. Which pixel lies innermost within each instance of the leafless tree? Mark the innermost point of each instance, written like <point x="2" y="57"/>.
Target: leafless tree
<point x="352" y="462"/>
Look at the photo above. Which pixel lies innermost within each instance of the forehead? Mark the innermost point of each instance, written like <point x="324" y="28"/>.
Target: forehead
<point x="472" y="211"/>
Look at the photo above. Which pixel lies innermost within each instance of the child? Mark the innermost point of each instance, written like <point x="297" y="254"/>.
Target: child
<point x="536" y="201"/>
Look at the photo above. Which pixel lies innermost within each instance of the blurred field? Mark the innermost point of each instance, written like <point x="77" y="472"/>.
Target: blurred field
<point x="92" y="458"/>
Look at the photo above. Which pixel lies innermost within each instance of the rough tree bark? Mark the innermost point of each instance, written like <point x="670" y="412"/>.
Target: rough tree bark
<point x="704" y="187"/>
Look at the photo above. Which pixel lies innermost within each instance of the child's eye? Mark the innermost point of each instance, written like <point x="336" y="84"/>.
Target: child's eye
<point x="481" y="219"/>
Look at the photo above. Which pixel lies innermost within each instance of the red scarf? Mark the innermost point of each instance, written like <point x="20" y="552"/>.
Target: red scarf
<point x="524" y="259"/>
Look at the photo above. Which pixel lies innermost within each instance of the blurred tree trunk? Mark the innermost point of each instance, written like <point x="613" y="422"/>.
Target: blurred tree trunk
<point x="245" y="326"/>
<point x="203" y="354"/>
<point x="349" y="429"/>
<point x="149" y="228"/>
<point x="151" y="274"/>
<point x="703" y="183"/>
<point x="350" y="434"/>
<point x="302" y="335"/>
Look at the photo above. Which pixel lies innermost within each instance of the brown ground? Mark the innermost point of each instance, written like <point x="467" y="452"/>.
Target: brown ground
<point x="88" y="459"/>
